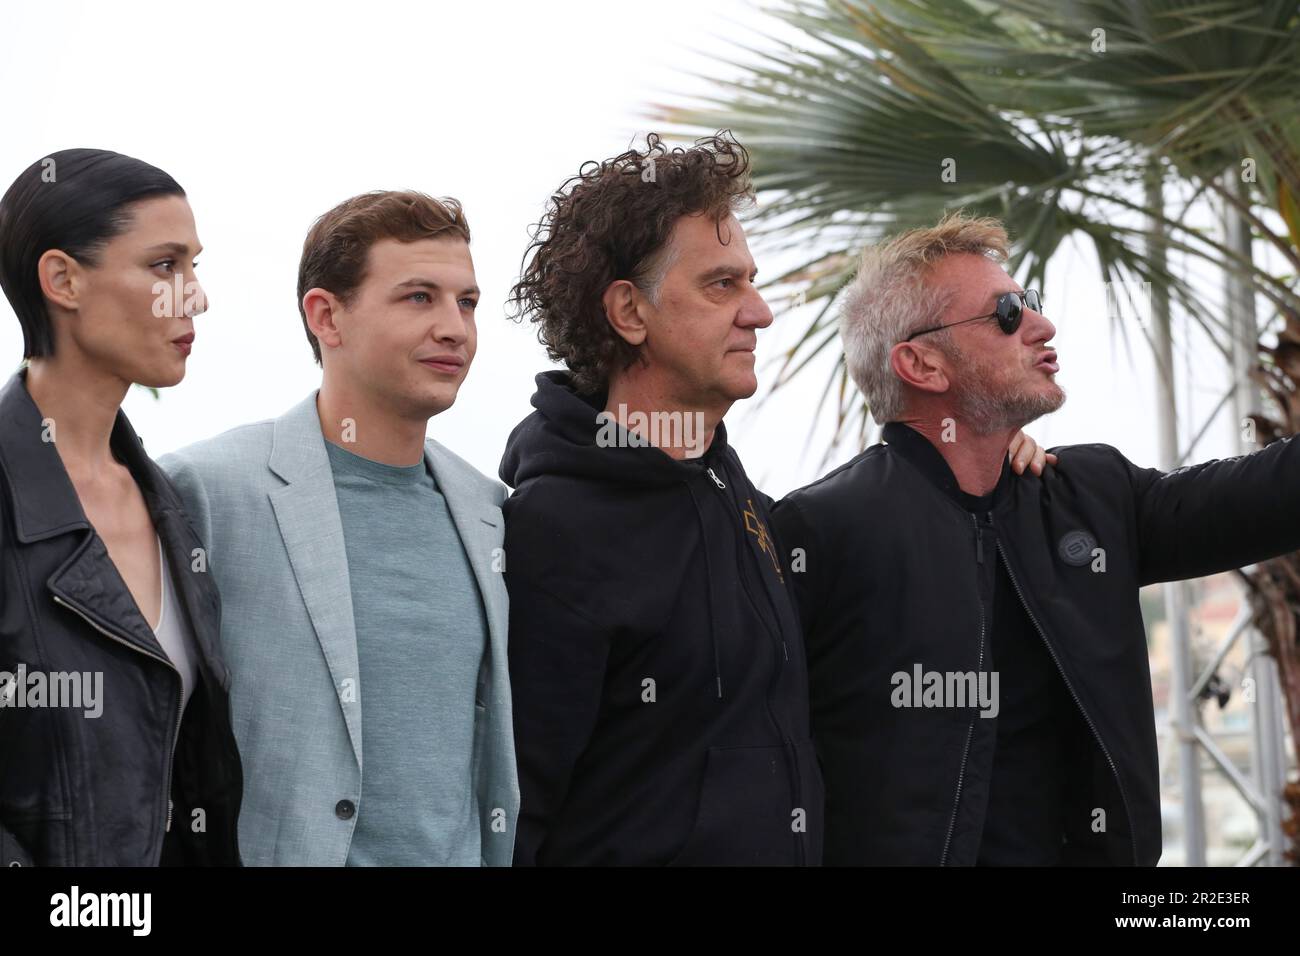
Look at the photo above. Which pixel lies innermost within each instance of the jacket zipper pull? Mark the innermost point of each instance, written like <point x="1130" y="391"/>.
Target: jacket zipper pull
<point x="716" y="480"/>
<point x="169" y="815"/>
<point x="979" y="541"/>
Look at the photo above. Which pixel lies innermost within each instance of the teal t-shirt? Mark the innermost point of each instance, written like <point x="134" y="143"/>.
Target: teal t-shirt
<point x="421" y="630"/>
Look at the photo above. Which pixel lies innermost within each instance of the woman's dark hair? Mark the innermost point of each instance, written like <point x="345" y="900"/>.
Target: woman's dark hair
<point x="75" y="201"/>
<point x="613" y="221"/>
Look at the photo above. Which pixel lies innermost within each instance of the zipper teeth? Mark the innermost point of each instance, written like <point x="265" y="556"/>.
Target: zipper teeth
<point x="970" y="730"/>
<point x="110" y="635"/>
<point x="794" y="777"/>
<point x="171" y="756"/>
<point x="956" y="798"/>
<point x="1056" y="660"/>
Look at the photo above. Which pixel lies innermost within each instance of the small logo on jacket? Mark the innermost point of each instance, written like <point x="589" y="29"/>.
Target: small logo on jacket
<point x="1076" y="547"/>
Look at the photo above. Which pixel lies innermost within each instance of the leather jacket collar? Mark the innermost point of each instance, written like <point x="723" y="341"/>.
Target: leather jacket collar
<point x="45" y="504"/>
<point x="920" y="452"/>
<point x="43" y="499"/>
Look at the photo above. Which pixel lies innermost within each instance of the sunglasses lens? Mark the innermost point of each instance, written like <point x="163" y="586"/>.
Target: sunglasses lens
<point x="1009" y="312"/>
<point x="1034" y="300"/>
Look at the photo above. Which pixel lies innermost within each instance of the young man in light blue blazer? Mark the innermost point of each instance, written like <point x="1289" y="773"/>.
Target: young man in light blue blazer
<point x="359" y="564"/>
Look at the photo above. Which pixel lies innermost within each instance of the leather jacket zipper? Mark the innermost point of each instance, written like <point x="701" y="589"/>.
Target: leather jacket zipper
<point x="171" y="754"/>
<point x="970" y="730"/>
<point x="1070" y="687"/>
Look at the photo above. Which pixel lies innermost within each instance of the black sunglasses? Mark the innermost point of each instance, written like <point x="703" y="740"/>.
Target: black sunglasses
<point x="1009" y="312"/>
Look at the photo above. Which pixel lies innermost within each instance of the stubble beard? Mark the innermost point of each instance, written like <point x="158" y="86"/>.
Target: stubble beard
<point x="988" y="404"/>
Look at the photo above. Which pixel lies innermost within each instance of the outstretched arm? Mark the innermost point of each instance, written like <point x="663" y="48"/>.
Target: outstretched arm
<point x="1218" y="515"/>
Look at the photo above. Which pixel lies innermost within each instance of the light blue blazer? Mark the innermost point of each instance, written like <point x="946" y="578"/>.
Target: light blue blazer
<point x="262" y="499"/>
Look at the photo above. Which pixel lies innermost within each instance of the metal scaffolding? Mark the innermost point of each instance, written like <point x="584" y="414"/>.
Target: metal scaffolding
<point x="1263" y="790"/>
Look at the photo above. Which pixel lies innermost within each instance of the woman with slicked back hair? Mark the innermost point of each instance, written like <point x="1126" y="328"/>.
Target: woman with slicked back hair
<point x="115" y="741"/>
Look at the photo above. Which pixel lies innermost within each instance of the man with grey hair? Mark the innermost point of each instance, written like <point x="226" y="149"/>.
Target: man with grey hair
<point x="977" y="660"/>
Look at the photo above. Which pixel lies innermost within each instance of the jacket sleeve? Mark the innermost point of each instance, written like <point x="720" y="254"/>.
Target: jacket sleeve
<point x="805" y="556"/>
<point x="12" y="851"/>
<point x="557" y="672"/>
<point x="1218" y="515"/>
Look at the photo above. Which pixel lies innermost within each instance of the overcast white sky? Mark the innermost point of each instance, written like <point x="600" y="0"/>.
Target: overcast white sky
<point x="270" y="113"/>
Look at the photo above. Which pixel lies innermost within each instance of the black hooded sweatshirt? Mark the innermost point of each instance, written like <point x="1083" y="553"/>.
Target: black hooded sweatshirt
<point x="656" y="661"/>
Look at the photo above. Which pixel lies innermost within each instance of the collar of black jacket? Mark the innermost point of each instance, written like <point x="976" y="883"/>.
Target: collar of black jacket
<point x="921" y="453"/>
<point x="43" y="499"/>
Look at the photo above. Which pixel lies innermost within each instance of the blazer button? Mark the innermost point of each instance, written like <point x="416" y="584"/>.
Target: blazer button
<point x="345" y="809"/>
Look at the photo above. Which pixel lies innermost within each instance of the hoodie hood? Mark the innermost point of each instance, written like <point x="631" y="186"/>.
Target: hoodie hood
<point x="560" y="438"/>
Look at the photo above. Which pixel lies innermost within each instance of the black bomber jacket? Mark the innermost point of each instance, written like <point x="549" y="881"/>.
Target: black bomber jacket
<point x="891" y="561"/>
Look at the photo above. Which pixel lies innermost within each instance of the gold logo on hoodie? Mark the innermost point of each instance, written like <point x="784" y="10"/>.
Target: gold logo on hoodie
<point x="755" y="526"/>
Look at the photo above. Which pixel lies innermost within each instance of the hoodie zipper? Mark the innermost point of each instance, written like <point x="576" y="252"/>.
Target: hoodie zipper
<point x="970" y="730"/>
<point x="1070" y="687"/>
<point x="793" y="777"/>
<point x="171" y="757"/>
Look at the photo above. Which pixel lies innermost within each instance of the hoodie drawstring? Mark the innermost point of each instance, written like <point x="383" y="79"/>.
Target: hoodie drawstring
<point x="708" y="570"/>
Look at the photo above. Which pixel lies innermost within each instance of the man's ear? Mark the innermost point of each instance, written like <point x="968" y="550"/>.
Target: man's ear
<point x="919" y="366"/>
<point x="620" y="300"/>
<point x="60" y="276"/>
<point x="321" y="307"/>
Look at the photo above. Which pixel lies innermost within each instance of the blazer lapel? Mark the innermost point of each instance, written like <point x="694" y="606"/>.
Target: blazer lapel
<point x="307" y="512"/>
<point x="479" y="522"/>
<point x="480" y="527"/>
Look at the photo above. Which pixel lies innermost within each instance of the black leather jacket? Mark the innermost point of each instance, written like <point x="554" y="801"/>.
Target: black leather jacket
<point x="893" y="562"/>
<point x="106" y="790"/>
